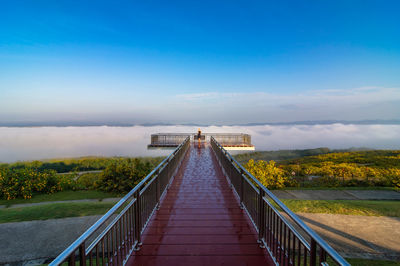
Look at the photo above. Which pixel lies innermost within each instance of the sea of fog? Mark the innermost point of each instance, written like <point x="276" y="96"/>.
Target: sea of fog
<point x="34" y="143"/>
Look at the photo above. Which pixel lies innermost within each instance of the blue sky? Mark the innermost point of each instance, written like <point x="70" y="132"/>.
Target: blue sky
<point x="205" y="61"/>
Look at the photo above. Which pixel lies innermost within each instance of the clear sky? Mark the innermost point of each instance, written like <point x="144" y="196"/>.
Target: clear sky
<point x="199" y="61"/>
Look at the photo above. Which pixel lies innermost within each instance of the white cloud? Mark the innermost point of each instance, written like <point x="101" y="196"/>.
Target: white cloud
<point x="59" y="142"/>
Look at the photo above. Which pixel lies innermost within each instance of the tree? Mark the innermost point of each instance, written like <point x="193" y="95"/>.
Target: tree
<point x="123" y="174"/>
<point x="267" y="173"/>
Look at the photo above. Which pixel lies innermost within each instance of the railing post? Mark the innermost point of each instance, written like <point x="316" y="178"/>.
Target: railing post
<point x="166" y="170"/>
<point x="261" y="217"/>
<point x="158" y="192"/>
<point x="138" y="220"/>
<point x="313" y="253"/>
<point x="231" y="168"/>
<point x="71" y="261"/>
<point x="241" y="188"/>
<point x="82" y="254"/>
<point x="322" y="256"/>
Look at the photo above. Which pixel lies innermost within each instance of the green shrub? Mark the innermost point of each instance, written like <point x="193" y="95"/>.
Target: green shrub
<point x="89" y="181"/>
<point x="123" y="174"/>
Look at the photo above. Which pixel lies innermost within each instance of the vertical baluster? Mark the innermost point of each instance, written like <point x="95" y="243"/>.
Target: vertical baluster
<point x="97" y="254"/>
<point x="322" y="255"/>
<point x="125" y="235"/>
<point x="112" y="245"/>
<point x="90" y="259"/>
<point x="268" y="224"/>
<point x="261" y="214"/>
<point x="294" y="249"/>
<point x="127" y="246"/>
<point x="109" y="248"/>
<point x="274" y="231"/>
<point x="128" y="230"/>
<point x="123" y="242"/>
<point x="103" y="252"/>
<point x="299" y="252"/>
<point x="277" y="236"/>
<point x="158" y="190"/>
<point x="117" y="245"/>
<point x="313" y="252"/>
<point x="132" y="226"/>
<point x="305" y="255"/>
<point x="82" y="254"/>
<point x="71" y="261"/>
<point x="284" y="244"/>
<point x="138" y="218"/>
<point x="289" y="246"/>
<point x="281" y="240"/>
<point x="270" y="229"/>
<point x="272" y="234"/>
<point x="168" y="173"/>
<point x="118" y="242"/>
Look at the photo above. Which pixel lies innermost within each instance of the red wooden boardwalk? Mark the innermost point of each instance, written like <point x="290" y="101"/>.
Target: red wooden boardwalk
<point x="199" y="221"/>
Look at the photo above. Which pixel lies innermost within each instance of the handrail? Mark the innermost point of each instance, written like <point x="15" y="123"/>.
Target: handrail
<point x="314" y="236"/>
<point x="79" y="243"/>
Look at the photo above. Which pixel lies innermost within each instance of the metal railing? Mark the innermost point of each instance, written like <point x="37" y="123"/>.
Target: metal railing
<point x="232" y="139"/>
<point x="167" y="139"/>
<point x="111" y="243"/>
<point x="281" y="237"/>
<point x="225" y="139"/>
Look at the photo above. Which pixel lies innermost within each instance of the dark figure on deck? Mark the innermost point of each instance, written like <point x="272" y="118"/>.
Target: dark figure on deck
<point x="199" y="137"/>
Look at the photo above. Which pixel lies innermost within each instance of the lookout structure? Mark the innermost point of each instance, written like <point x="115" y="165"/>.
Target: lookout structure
<point x="230" y="141"/>
<point x="200" y="206"/>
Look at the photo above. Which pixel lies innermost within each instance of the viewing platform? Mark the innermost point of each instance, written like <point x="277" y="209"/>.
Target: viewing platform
<point x="230" y="141"/>
<point x="199" y="206"/>
<point x="200" y="221"/>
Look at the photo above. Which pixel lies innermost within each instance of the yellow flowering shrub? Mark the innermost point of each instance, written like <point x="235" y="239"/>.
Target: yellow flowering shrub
<point x="267" y="173"/>
<point x="22" y="183"/>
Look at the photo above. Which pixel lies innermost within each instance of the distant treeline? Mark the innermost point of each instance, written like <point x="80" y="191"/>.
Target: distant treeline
<point x="74" y="164"/>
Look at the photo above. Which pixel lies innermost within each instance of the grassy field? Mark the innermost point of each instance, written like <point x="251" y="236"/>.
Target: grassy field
<point x="54" y="211"/>
<point x="364" y="262"/>
<point x="63" y="210"/>
<point x="63" y="195"/>
<point x="342" y="188"/>
<point x="348" y="207"/>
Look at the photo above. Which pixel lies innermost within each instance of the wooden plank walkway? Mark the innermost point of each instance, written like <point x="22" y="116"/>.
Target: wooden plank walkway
<point x="200" y="221"/>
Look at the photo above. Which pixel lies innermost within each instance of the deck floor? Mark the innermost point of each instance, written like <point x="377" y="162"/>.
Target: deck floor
<point x="200" y="221"/>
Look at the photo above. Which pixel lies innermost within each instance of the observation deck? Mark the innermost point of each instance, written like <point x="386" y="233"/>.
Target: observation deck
<point x="230" y="141"/>
<point x="200" y="221"/>
<point x="199" y="206"/>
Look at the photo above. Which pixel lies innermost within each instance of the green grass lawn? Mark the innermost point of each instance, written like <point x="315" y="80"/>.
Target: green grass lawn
<point x="54" y="211"/>
<point x="59" y="196"/>
<point x="364" y="262"/>
<point x="342" y="188"/>
<point x="349" y="207"/>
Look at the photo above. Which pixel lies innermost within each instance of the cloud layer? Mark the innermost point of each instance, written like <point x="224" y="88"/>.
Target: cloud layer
<point x="59" y="142"/>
